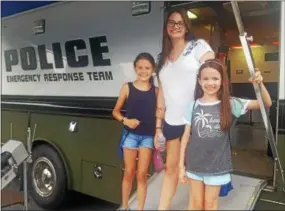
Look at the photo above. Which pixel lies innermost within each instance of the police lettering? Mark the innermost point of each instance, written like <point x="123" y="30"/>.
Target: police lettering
<point x="74" y="51"/>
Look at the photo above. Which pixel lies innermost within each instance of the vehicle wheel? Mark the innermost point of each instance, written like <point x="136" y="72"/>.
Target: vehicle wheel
<point x="48" y="178"/>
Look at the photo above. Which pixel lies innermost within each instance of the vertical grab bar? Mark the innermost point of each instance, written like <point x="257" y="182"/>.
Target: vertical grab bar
<point x="251" y="65"/>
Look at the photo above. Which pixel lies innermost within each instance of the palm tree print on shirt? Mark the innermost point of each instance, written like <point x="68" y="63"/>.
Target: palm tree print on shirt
<point x="207" y="125"/>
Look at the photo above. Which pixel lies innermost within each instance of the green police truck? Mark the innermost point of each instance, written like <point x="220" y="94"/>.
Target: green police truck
<point x="62" y="68"/>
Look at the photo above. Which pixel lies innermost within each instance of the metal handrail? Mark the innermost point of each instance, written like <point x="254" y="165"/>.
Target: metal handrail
<point x="251" y="65"/>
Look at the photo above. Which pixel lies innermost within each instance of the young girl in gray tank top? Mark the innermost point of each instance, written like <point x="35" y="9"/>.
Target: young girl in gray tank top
<point x="205" y="156"/>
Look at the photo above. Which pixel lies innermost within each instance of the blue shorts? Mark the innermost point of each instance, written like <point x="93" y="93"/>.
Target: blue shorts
<point x="134" y="141"/>
<point x="211" y="180"/>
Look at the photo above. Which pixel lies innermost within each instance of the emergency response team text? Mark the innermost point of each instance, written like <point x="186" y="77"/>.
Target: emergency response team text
<point x="77" y="76"/>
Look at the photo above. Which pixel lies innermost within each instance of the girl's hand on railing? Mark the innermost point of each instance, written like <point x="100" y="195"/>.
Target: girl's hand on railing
<point x="257" y="78"/>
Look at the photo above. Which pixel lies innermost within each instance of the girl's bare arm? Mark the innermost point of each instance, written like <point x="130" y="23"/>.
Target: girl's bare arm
<point x="160" y="107"/>
<point x="253" y="104"/>
<point x="156" y="91"/>
<point x="184" y="142"/>
<point x="207" y="56"/>
<point x="120" y="103"/>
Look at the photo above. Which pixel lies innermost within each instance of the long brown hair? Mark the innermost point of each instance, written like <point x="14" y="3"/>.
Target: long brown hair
<point x="166" y="42"/>
<point x="223" y="94"/>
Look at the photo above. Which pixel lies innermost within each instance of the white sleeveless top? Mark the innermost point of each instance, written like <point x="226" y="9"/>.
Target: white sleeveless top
<point x="178" y="80"/>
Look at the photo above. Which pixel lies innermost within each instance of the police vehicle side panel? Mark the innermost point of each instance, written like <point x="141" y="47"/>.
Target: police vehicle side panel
<point x="68" y="102"/>
<point x="96" y="48"/>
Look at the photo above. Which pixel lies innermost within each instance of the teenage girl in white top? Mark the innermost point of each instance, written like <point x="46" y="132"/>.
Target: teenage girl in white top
<point x="178" y="64"/>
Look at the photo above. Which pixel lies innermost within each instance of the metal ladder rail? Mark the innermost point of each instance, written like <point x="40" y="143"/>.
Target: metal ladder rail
<point x="251" y="65"/>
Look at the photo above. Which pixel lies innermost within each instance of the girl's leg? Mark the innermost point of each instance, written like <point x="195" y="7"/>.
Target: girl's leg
<point x="170" y="179"/>
<point x="196" y="196"/>
<point x="130" y="156"/>
<point x="142" y="170"/>
<point x="211" y="197"/>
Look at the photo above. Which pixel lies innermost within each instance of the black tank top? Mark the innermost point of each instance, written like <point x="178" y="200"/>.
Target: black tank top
<point x="141" y="105"/>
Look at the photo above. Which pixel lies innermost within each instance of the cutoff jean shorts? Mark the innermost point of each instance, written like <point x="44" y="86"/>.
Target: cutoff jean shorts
<point x="134" y="141"/>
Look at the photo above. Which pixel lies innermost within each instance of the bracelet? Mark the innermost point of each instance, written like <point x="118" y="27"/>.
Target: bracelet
<point x="158" y="128"/>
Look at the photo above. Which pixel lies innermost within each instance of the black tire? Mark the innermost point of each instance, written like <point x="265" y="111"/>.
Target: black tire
<point x="46" y="155"/>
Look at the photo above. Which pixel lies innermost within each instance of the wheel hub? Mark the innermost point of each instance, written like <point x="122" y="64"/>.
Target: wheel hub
<point x="44" y="177"/>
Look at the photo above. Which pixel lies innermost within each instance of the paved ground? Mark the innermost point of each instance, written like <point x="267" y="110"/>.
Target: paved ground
<point x="86" y="203"/>
<point x="82" y="203"/>
<point x="79" y="201"/>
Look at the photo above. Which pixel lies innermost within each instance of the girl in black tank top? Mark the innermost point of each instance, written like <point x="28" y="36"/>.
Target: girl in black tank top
<point x="139" y="98"/>
<point x="141" y="106"/>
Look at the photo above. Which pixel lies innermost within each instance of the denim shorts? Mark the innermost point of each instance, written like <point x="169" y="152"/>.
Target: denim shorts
<point x="211" y="180"/>
<point x="134" y="141"/>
